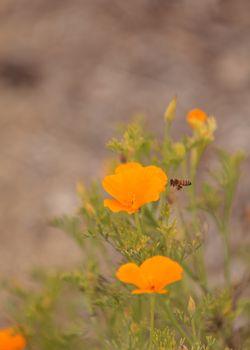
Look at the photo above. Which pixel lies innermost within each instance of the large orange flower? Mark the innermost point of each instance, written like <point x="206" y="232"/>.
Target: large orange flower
<point x="196" y="117"/>
<point x="132" y="186"/>
<point x="10" y="340"/>
<point x="152" y="275"/>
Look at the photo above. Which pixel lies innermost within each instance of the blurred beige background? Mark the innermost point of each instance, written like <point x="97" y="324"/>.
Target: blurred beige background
<point x="70" y="70"/>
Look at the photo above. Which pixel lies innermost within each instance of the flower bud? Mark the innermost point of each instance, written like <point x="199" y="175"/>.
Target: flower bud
<point x="179" y="150"/>
<point x="169" y="114"/>
<point x="191" y="306"/>
<point x="196" y="118"/>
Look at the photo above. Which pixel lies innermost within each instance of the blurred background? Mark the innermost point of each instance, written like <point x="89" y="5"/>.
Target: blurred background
<point x="70" y="70"/>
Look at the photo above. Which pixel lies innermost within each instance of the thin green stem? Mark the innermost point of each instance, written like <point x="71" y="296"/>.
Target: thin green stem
<point x="194" y="329"/>
<point x="194" y="277"/>
<point x="138" y="223"/>
<point x="148" y="213"/>
<point x="199" y="255"/>
<point x="182" y="220"/>
<point x="167" y="131"/>
<point x="226" y="235"/>
<point x="227" y="274"/>
<point x="167" y="139"/>
<point x="152" y="320"/>
<point x="202" y="284"/>
<point x="223" y="227"/>
<point x="176" y="324"/>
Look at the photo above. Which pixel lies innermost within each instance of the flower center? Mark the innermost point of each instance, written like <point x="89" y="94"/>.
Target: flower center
<point x="132" y="201"/>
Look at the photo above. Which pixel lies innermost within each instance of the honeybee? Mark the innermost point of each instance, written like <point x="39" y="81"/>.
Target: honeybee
<point x="179" y="183"/>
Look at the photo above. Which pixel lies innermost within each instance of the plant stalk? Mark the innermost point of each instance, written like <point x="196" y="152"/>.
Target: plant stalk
<point x="227" y="274"/>
<point x="199" y="255"/>
<point x="176" y="325"/>
<point x="152" y="319"/>
<point x="138" y="223"/>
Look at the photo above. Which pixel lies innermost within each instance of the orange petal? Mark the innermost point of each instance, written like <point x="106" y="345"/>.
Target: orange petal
<point x="135" y="186"/>
<point x="131" y="273"/>
<point x="161" y="271"/>
<point x="155" y="182"/>
<point x="163" y="291"/>
<point x="114" y="185"/>
<point x="148" y="185"/>
<point x="116" y="206"/>
<point x="148" y="291"/>
<point x="127" y="166"/>
<point x="10" y="340"/>
<point x="122" y="186"/>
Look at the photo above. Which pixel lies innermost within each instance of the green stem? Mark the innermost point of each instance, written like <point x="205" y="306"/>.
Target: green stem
<point x="138" y="223"/>
<point x="176" y="324"/>
<point x="148" y="213"/>
<point x="152" y="319"/>
<point x="167" y="139"/>
<point x="227" y="273"/>
<point x="182" y="220"/>
<point x="195" y="278"/>
<point x="201" y="265"/>
<point x="167" y="131"/>
<point x="193" y="329"/>
<point x="199" y="255"/>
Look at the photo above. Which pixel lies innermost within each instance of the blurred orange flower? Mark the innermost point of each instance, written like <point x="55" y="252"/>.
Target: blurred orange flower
<point x="10" y="340"/>
<point x="196" y="117"/>
<point x="132" y="186"/>
<point x="152" y="275"/>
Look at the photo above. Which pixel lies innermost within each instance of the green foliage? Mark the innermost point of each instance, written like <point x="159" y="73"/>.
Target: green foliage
<point x="164" y="339"/>
<point x="87" y="308"/>
<point x="70" y="225"/>
<point x="134" y="144"/>
<point x="45" y="319"/>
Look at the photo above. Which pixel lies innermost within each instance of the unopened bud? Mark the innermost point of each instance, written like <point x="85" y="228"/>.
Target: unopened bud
<point x="179" y="150"/>
<point x="169" y="114"/>
<point x="191" y="305"/>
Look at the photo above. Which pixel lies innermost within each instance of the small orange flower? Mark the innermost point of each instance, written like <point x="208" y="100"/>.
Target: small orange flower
<point x="132" y="186"/>
<point x="10" y="340"/>
<point x="196" y="117"/>
<point x="152" y="275"/>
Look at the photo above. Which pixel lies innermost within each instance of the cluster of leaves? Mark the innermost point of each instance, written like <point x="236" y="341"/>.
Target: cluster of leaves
<point x="88" y="308"/>
<point x="41" y="316"/>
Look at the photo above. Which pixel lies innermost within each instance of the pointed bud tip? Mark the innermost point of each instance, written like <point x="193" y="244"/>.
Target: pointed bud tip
<point x="169" y="114"/>
<point x="191" y="305"/>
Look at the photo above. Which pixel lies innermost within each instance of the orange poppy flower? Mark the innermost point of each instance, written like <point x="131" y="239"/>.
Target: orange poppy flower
<point x="10" y="340"/>
<point x="196" y="117"/>
<point x="152" y="275"/>
<point x="132" y="186"/>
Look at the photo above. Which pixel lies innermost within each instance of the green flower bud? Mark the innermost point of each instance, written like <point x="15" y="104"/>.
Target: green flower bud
<point x="169" y="114"/>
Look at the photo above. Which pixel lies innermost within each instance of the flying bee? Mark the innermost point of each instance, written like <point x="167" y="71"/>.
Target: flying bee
<point x="179" y="183"/>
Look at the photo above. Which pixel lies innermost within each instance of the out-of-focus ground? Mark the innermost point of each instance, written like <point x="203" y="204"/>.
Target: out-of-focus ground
<point x="71" y="70"/>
